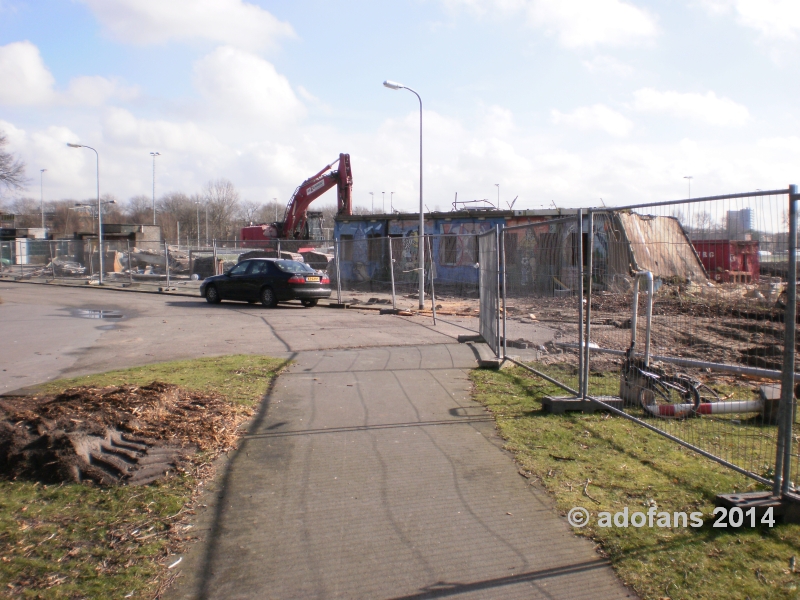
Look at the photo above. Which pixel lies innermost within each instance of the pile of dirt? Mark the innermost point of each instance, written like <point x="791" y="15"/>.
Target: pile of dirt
<point x="113" y="435"/>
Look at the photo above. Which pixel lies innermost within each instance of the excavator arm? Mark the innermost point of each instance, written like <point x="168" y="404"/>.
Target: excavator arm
<point x="312" y="188"/>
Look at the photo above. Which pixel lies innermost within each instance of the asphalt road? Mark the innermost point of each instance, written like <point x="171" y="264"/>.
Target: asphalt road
<point x="48" y="332"/>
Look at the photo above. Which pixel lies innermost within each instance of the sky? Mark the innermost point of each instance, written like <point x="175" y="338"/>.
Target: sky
<point x="560" y="102"/>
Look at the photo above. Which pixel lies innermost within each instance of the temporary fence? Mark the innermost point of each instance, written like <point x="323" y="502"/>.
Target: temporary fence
<point x="489" y="268"/>
<point x="679" y="316"/>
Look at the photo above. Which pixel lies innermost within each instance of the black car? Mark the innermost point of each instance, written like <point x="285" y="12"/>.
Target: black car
<point x="268" y="280"/>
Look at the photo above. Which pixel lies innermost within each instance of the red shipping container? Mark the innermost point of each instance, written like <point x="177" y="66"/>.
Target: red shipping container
<point x="729" y="260"/>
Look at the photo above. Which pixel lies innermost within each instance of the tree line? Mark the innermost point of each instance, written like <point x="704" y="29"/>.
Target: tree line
<point x="216" y="212"/>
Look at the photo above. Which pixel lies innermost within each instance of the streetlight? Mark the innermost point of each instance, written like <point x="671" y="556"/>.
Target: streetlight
<point x="154" y="154"/>
<point x="99" y="206"/>
<point x="397" y="86"/>
<point x="689" y="178"/>
<point x="276" y="210"/>
<point x="498" y="195"/>
<point x="391" y="203"/>
<point x="373" y="201"/>
<point x="41" y="192"/>
<point x="383" y="202"/>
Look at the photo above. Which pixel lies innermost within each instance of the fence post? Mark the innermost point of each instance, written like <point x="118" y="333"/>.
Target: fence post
<point x="391" y="273"/>
<point x="336" y="253"/>
<point x="580" y="301"/>
<point x="497" y="288"/>
<point x="503" y="283"/>
<point x="585" y="390"/>
<point x="166" y="261"/>
<point x="130" y="262"/>
<point x="52" y="262"/>
<point x="431" y="274"/>
<point x="215" y="258"/>
<point x="783" y="458"/>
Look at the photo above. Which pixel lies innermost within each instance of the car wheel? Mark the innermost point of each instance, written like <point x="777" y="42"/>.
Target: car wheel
<point x="212" y="295"/>
<point x="268" y="298"/>
<point x="309" y="302"/>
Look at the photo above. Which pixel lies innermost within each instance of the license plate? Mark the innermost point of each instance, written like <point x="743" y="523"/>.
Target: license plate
<point x="315" y="279"/>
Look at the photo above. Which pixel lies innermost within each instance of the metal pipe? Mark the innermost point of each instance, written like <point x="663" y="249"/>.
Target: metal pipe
<point x="585" y="389"/>
<point x="391" y="274"/>
<point x="694" y="364"/>
<point x="503" y="281"/>
<point x="649" y="315"/>
<point x="624" y="415"/>
<point x="696" y="200"/>
<point x="783" y="457"/>
<point x="430" y="274"/>
<point x="166" y="261"/>
<point x="216" y="268"/>
<point x="580" y="300"/>
<point x="497" y="288"/>
<point x="336" y="254"/>
<point x="130" y="262"/>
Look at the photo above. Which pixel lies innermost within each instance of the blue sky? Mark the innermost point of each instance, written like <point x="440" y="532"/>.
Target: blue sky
<point x="562" y="101"/>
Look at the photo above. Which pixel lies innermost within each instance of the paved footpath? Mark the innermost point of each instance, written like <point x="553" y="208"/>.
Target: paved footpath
<point x="370" y="473"/>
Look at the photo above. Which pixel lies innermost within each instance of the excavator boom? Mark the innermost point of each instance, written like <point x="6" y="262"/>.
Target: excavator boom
<point x="294" y="220"/>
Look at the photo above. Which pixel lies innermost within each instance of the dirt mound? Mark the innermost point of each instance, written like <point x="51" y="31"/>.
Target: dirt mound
<point x="112" y="435"/>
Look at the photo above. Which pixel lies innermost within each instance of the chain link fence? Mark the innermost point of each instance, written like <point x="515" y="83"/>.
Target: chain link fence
<point x="678" y="315"/>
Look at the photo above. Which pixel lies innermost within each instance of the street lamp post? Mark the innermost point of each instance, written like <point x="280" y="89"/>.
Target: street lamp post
<point x="373" y="201"/>
<point x="391" y="202"/>
<point x="498" y="195"/>
<point x="206" y="222"/>
<point x="276" y="210"/>
<point x="689" y="178"/>
<point x="154" y="154"/>
<point x="99" y="206"/>
<point x="41" y="192"/>
<point x="397" y="86"/>
<point x="383" y="202"/>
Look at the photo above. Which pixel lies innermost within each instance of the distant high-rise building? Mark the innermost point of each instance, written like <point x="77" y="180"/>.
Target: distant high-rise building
<point x="740" y="224"/>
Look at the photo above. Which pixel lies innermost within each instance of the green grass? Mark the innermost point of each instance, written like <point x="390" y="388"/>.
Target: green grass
<point x="83" y="541"/>
<point x="627" y="465"/>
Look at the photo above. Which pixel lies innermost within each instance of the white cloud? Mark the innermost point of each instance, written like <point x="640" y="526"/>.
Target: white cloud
<point x="24" y="78"/>
<point x="707" y="108"/>
<point x="771" y="18"/>
<point x="608" y="65"/>
<point x="576" y="23"/>
<point x="26" y="81"/>
<point x="122" y="127"/>
<point x="158" y="21"/>
<point x="241" y="85"/>
<point x="595" y="117"/>
<point x="96" y="91"/>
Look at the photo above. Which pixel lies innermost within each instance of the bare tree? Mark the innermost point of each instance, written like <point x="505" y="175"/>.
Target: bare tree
<point x="222" y="200"/>
<point x="248" y="212"/>
<point x="139" y="209"/>
<point x="12" y="169"/>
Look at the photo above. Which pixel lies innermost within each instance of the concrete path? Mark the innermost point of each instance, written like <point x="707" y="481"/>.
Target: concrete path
<point x="371" y="474"/>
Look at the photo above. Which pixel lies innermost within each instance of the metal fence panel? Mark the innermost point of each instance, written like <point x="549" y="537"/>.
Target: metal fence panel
<point x="489" y="270"/>
<point x="720" y="273"/>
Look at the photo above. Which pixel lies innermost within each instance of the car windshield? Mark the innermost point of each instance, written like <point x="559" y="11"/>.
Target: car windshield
<point x="292" y="266"/>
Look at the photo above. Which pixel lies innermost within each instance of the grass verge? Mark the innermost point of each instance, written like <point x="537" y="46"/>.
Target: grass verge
<point x="84" y="541"/>
<point x="627" y="465"/>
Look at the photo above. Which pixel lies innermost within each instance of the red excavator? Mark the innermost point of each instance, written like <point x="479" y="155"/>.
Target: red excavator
<point x="298" y="223"/>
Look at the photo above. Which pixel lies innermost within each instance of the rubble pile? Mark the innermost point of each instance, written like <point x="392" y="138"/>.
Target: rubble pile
<point x="113" y="435"/>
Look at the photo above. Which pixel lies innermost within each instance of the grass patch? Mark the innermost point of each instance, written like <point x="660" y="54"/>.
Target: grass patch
<point x="84" y="541"/>
<point x="630" y="466"/>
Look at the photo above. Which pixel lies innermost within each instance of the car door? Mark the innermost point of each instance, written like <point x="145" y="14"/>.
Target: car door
<point x="256" y="276"/>
<point x="234" y="284"/>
